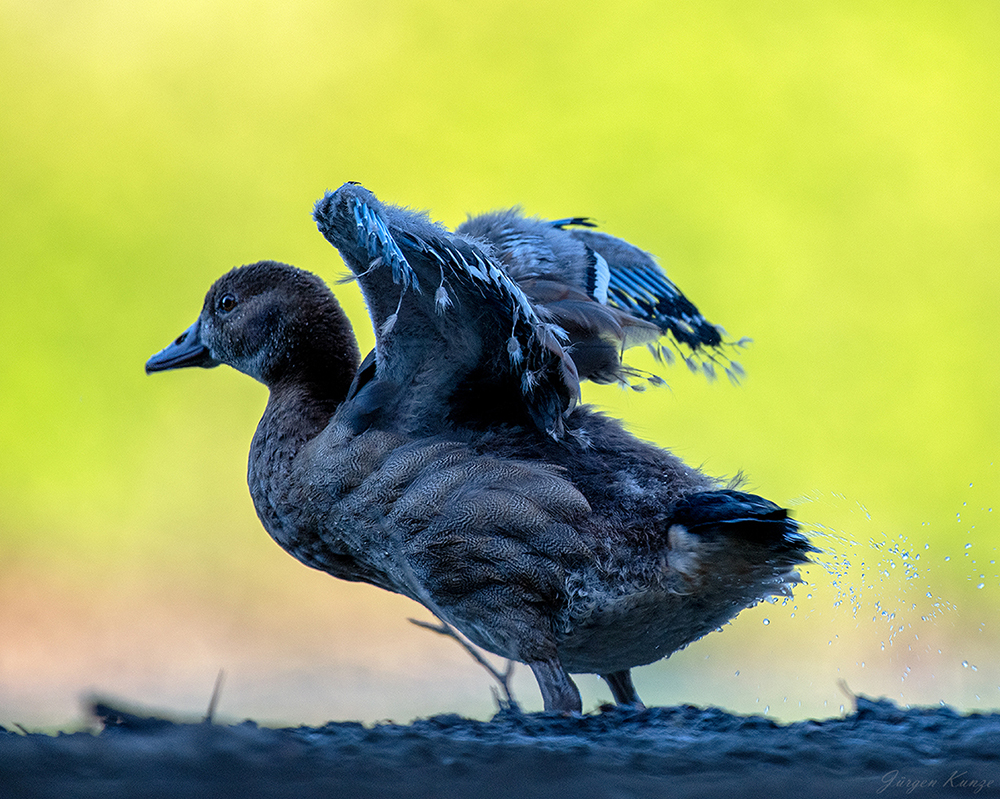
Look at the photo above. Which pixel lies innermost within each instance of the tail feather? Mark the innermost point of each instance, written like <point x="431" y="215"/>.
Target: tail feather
<point x="746" y="516"/>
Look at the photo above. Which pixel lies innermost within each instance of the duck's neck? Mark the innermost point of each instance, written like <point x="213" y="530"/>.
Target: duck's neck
<point x="307" y="383"/>
<point x="296" y="412"/>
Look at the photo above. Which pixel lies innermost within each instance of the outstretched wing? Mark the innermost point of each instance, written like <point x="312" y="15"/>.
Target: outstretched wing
<point x="608" y="294"/>
<point x="456" y="337"/>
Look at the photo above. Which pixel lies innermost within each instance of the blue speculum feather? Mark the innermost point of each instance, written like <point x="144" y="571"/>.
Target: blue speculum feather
<point x="374" y="235"/>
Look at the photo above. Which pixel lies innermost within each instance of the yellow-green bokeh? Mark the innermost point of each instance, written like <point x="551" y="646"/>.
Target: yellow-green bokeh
<point x="823" y="177"/>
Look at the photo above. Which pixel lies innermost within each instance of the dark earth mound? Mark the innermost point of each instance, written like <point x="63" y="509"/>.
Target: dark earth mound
<point x="880" y="749"/>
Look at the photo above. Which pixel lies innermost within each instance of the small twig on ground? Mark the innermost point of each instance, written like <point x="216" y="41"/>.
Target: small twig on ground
<point x="503" y="678"/>
<point x="842" y="685"/>
<point x="216" y="693"/>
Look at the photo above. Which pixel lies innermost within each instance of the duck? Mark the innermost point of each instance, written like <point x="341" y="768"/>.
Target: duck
<point x="455" y="464"/>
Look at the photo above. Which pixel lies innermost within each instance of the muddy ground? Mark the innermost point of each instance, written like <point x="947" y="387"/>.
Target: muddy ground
<point x="879" y="750"/>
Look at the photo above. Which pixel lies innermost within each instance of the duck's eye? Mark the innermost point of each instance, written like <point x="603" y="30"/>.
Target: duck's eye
<point x="226" y="303"/>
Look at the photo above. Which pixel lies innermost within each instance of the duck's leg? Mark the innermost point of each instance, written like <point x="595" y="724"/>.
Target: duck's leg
<point x="558" y="690"/>
<point x="622" y="689"/>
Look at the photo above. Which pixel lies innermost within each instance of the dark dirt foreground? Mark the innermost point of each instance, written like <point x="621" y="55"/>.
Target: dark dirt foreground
<point x="879" y="750"/>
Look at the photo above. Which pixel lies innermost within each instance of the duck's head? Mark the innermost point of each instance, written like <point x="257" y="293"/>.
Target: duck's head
<point x="273" y="322"/>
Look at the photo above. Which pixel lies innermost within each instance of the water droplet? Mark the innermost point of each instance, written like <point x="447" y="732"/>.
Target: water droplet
<point x="968" y="546"/>
<point x="737" y="673"/>
<point x="767" y="621"/>
<point x="981" y="585"/>
<point x="965" y="664"/>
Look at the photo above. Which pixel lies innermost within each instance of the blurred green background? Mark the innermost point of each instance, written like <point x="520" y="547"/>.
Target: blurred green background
<point x="822" y="177"/>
